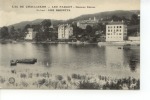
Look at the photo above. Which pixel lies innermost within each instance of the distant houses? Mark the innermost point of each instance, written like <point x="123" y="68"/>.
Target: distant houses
<point x="83" y="23"/>
<point x="101" y="31"/>
<point x="116" y="31"/>
<point x="30" y="34"/>
<point x="65" y="31"/>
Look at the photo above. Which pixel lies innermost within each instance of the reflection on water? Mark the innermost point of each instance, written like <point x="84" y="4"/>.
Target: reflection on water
<point x="82" y="58"/>
<point x="114" y="57"/>
<point x="122" y="56"/>
<point x="133" y="65"/>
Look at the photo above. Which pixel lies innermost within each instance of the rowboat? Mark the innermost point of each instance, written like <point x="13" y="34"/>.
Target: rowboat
<point x="25" y="61"/>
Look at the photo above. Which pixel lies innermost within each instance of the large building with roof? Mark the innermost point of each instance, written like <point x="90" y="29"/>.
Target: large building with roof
<point x="65" y="31"/>
<point x="116" y="31"/>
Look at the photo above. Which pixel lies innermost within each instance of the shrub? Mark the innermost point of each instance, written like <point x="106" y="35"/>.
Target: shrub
<point x="75" y="76"/>
<point x="23" y="75"/>
<point x="42" y="81"/>
<point x="2" y="80"/>
<point x="88" y="85"/>
<point x="24" y="84"/>
<point x="59" y="77"/>
<point x="69" y="78"/>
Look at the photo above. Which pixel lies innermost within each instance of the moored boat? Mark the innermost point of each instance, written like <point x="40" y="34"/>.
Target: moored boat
<point x="27" y="61"/>
<point x="119" y="48"/>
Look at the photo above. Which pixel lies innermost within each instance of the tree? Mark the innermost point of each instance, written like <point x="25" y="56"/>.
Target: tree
<point x="46" y="28"/>
<point x="98" y="27"/>
<point x="20" y="34"/>
<point x="16" y="33"/>
<point x="115" y="18"/>
<point x="76" y="30"/>
<point x="26" y="27"/>
<point x="37" y="27"/>
<point x="12" y="31"/>
<point x="89" y="30"/>
<point x="4" y="32"/>
<point x="46" y="23"/>
<point x="134" y="19"/>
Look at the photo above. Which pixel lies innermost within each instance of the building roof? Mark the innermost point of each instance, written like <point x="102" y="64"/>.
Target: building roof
<point x="88" y="22"/>
<point x="116" y="23"/>
<point x="65" y="26"/>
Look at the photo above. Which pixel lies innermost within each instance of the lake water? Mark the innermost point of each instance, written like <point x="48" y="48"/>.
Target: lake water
<point x="73" y="58"/>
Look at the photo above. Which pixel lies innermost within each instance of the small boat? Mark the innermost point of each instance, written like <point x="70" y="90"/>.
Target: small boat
<point x="119" y="48"/>
<point x="13" y="63"/>
<point x="27" y="61"/>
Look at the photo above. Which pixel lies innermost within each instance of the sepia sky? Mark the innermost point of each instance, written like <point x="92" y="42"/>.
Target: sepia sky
<point x="9" y="15"/>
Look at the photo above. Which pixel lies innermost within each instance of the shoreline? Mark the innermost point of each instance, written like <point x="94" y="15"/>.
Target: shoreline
<point x="120" y="43"/>
<point x="57" y="42"/>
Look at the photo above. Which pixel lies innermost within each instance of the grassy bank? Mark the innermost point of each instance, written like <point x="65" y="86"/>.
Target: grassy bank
<point x="46" y="80"/>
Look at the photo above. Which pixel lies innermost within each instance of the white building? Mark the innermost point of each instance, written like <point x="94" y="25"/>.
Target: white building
<point x="30" y="34"/>
<point x="65" y="31"/>
<point x="116" y="31"/>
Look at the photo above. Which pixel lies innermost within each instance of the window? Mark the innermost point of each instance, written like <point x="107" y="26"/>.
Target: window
<point x="120" y="26"/>
<point x="119" y="33"/>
